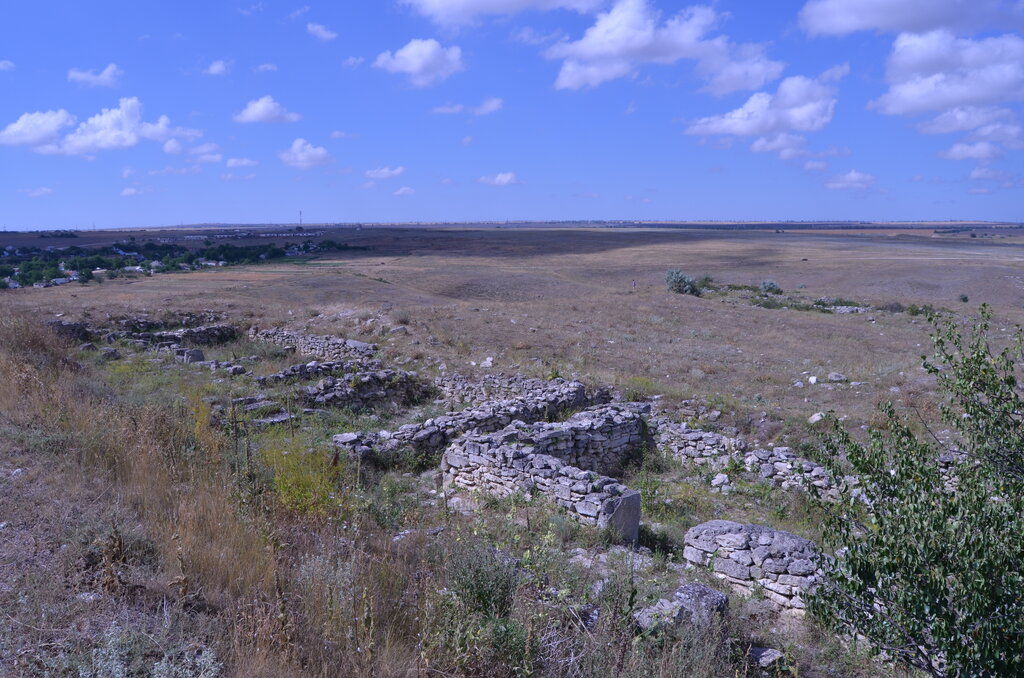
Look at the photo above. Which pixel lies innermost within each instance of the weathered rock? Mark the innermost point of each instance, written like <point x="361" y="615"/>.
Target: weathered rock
<point x="323" y="347"/>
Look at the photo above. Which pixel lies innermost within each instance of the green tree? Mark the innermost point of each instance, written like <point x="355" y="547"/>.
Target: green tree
<point x="929" y="544"/>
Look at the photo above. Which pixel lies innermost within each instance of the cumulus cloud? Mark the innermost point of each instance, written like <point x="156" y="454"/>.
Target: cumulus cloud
<point x="800" y="104"/>
<point x="964" y="118"/>
<point x="304" y="155"/>
<point x="338" y="134"/>
<point x="457" y="12"/>
<point x="488" y="106"/>
<point x="131" y="191"/>
<point x="36" y="192"/>
<point x="425" y="62"/>
<point x="36" y="129"/>
<point x="112" y="128"/>
<point x="265" y="109"/>
<point x="937" y="71"/>
<point x="982" y="151"/>
<point x="320" y="32"/>
<point x="353" y="62"/>
<point x="405" y="190"/>
<point x="172" y="146"/>
<point x="385" y="172"/>
<point x="218" y="67"/>
<point x="108" y="77"/>
<point x="815" y="165"/>
<point x="241" y="162"/>
<point x="299" y="12"/>
<point x="6" y="65"/>
<point x="632" y="33"/>
<point x="266" y="68"/>
<point x="851" y="180"/>
<point x="500" y="179"/>
<point x="839" y="17"/>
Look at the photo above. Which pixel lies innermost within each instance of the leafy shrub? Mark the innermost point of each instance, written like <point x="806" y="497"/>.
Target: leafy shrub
<point x="910" y="548"/>
<point x="484" y="579"/>
<point x="964" y="298"/>
<point x="680" y="283"/>
<point x="770" y="287"/>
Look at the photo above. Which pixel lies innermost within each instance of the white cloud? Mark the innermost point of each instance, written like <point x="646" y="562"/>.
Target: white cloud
<point x="385" y="172"/>
<point x="241" y="162"/>
<point x="218" y="67"/>
<point x="488" y="106"/>
<point x="265" y="109"/>
<point x="988" y="174"/>
<point x="172" y="146"/>
<point x="203" y="149"/>
<point x="425" y="62"/>
<point x="500" y="179"/>
<point x="108" y="77"/>
<point x="181" y="171"/>
<point x="964" y="118"/>
<point x="449" y="109"/>
<point x="304" y="155"/>
<point x="231" y="176"/>
<point x="338" y="134"/>
<point x="851" y="180"/>
<point x="839" y="17"/>
<point x="320" y="32"/>
<point x="631" y="34"/>
<point x="133" y="191"/>
<point x="800" y="104"/>
<point x="210" y="157"/>
<point x="788" y="146"/>
<point x="299" y="12"/>
<point x="6" y="65"/>
<point x="815" y="165"/>
<point x="1010" y="135"/>
<point x="405" y="190"/>
<point x="112" y="128"/>
<point x="937" y="71"/>
<point x="36" y="129"/>
<point x="982" y="151"/>
<point x="266" y="68"/>
<point x="456" y="12"/>
<point x="353" y="62"/>
<point x="530" y="36"/>
<point x="127" y="172"/>
<point x="36" y="192"/>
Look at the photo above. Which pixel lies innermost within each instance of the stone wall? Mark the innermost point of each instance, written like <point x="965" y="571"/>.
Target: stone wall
<point x="367" y="389"/>
<point x="318" y="346"/>
<point x="781" y="565"/>
<point x="205" y="335"/>
<point x="436" y="433"/>
<point x="314" y="369"/>
<point x="501" y="465"/>
<point x="457" y="389"/>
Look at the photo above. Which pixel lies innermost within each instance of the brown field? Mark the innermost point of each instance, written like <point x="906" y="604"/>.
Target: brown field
<point x="562" y="299"/>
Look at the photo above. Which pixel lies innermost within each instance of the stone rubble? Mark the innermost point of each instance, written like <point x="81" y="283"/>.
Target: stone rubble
<point x="363" y="390"/>
<point x="314" y="369"/>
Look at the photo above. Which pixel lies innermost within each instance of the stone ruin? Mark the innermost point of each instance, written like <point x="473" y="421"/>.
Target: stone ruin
<point x="367" y="389"/>
<point x="556" y="397"/>
<point x="319" y="346"/>
<point x="752" y="558"/>
<point x="314" y="369"/>
<point x="500" y="464"/>
<point x="457" y="389"/>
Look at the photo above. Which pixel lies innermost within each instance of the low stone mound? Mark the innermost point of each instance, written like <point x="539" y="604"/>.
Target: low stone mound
<point x="318" y="346"/>
<point x="363" y="390"/>
<point x="780" y="565"/>
<point x="500" y="466"/>
<point x="70" y="330"/>
<point x="314" y="369"/>
<point x="205" y="335"/>
<point x="692" y="603"/>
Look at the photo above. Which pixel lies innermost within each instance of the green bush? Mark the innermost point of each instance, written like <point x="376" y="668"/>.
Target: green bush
<point x="770" y="287"/>
<point x="964" y="298"/>
<point x="929" y="565"/>
<point x="484" y="579"/>
<point x="680" y="283"/>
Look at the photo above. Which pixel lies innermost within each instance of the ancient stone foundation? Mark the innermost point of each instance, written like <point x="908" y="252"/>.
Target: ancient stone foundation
<point x="314" y="369"/>
<point x="501" y="465"/>
<point x="318" y="346"/>
<point x="752" y="558"/>
<point x="367" y="389"/>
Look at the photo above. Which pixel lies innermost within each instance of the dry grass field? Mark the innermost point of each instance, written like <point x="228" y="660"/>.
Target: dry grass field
<point x="543" y="300"/>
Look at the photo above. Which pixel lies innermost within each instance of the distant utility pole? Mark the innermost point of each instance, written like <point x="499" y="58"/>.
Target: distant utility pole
<point x="300" y="217"/>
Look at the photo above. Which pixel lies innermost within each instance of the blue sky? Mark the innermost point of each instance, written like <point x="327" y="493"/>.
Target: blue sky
<point x="157" y="113"/>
